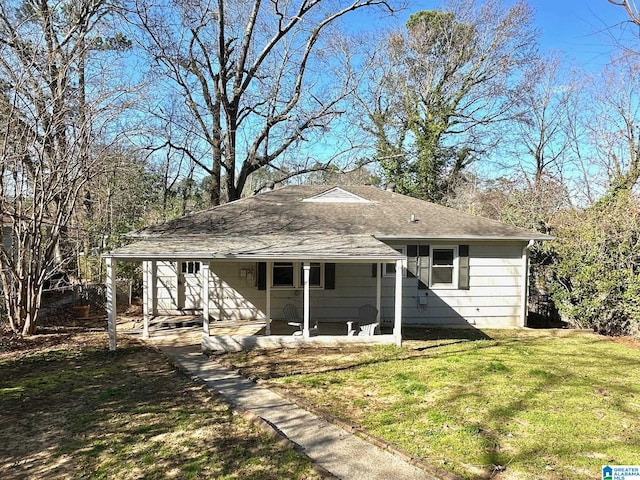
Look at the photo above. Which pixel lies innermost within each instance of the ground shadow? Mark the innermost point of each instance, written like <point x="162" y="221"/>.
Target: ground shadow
<point x="422" y="333"/>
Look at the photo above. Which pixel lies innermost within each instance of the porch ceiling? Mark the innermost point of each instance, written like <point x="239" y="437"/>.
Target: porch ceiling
<point x="261" y="247"/>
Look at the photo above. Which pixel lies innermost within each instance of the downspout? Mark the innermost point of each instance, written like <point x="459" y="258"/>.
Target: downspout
<point x="524" y="294"/>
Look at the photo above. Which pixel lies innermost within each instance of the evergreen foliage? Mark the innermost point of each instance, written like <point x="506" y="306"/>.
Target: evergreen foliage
<point x="597" y="265"/>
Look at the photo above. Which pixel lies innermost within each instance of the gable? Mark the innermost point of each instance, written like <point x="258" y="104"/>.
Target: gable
<point x="336" y="195"/>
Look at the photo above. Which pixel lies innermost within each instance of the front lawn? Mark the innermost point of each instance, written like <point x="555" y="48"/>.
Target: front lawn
<point x="509" y="404"/>
<point x="69" y="408"/>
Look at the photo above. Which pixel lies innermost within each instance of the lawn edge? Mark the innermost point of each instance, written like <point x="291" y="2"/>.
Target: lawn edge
<point x="263" y="425"/>
<point x="418" y="462"/>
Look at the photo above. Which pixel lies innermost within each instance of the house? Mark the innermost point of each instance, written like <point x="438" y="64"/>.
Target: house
<point x="329" y="250"/>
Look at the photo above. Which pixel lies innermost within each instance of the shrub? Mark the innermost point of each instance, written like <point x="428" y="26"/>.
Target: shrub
<point x="597" y="265"/>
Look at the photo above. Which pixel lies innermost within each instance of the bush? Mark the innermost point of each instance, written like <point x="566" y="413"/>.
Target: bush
<point x="597" y="266"/>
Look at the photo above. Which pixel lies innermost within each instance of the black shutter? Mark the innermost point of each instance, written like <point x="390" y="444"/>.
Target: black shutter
<point x="463" y="267"/>
<point x="262" y="275"/>
<point x="374" y="270"/>
<point x="412" y="261"/>
<point x="423" y="269"/>
<point x="330" y="276"/>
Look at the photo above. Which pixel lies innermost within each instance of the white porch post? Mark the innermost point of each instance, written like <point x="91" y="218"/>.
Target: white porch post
<point x="379" y="291"/>
<point x="111" y="301"/>
<point x="397" y="330"/>
<point x="153" y="292"/>
<point x="146" y="294"/>
<point x="204" y="270"/>
<point x="268" y="290"/>
<point x="306" y="269"/>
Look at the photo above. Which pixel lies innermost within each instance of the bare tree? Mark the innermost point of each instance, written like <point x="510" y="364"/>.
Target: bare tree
<point x="631" y="7"/>
<point x="614" y="123"/>
<point x="55" y="117"/>
<point x="542" y="138"/>
<point x="252" y="76"/>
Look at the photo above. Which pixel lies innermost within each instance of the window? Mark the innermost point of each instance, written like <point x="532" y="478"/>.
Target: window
<point x="315" y="275"/>
<point x="291" y="275"/>
<point x="439" y="266"/>
<point x="444" y="266"/>
<point x="283" y="274"/>
<point x="390" y="268"/>
<point x="190" y="267"/>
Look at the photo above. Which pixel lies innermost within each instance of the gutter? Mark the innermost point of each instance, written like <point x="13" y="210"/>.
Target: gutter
<point x="252" y="257"/>
<point x="479" y="238"/>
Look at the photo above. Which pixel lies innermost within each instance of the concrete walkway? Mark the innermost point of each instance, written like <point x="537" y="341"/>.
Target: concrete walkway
<point x="341" y="453"/>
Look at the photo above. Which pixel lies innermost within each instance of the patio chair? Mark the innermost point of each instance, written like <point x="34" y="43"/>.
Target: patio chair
<point x="293" y="320"/>
<point x="367" y="324"/>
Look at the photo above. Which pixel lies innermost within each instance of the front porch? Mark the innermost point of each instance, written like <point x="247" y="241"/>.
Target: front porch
<point x="261" y="331"/>
<point x="236" y="280"/>
<point x="237" y="335"/>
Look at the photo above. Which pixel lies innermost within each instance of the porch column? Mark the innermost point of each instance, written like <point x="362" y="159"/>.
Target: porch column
<point x="153" y="291"/>
<point x="204" y="270"/>
<point x="306" y="270"/>
<point x="397" y="331"/>
<point x="267" y="312"/>
<point x="379" y="291"/>
<point x="146" y="297"/>
<point x="111" y="300"/>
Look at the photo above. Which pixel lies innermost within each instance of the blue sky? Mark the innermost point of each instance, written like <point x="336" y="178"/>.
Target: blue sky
<point x="585" y="30"/>
<point x="586" y="33"/>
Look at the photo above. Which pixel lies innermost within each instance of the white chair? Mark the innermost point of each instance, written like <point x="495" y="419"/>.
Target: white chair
<point x="293" y="320"/>
<point x="367" y="324"/>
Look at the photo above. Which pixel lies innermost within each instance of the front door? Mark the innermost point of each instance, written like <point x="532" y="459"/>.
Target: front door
<point x="189" y="286"/>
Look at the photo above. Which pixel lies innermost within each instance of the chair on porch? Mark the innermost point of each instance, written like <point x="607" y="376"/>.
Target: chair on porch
<point x="367" y="324"/>
<point x="292" y="318"/>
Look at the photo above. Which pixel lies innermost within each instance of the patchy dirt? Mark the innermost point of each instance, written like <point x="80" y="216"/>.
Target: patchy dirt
<point x="70" y="408"/>
<point x="630" y="342"/>
<point x="282" y="362"/>
<point x="61" y="330"/>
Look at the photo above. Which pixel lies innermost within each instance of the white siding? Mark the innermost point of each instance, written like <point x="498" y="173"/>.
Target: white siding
<point x="234" y="295"/>
<point x="493" y="299"/>
<point x="494" y="295"/>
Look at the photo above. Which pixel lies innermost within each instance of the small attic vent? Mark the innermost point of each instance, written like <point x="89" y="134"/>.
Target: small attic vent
<point x="336" y="195"/>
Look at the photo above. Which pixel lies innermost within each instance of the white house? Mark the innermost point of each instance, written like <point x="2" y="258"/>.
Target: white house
<point x="329" y="250"/>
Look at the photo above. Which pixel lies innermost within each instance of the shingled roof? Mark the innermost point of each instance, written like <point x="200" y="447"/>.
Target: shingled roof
<point x="312" y="222"/>
<point x="322" y="210"/>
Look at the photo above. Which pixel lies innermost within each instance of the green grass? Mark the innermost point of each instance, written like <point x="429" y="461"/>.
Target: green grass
<point x="90" y="413"/>
<point x="550" y="405"/>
